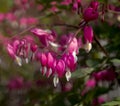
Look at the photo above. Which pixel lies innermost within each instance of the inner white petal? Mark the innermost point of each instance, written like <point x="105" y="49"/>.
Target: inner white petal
<point x="55" y="80"/>
<point x="68" y="75"/>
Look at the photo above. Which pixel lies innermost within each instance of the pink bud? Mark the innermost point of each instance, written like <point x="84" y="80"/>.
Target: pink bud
<point x="88" y="34"/>
<point x="94" y="5"/>
<point x="60" y="68"/>
<point x="91" y="83"/>
<point x="43" y="59"/>
<point x="34" y="47"/>
<point x="50" y="60"/>
<point x="90" y="14"/>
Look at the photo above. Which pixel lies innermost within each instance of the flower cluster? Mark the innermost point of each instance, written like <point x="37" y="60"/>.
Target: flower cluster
<point x="91" y="13"/>
<point x="19" y="49"/>
<point x="107" y="75"/>
<point x="52" y="63"/>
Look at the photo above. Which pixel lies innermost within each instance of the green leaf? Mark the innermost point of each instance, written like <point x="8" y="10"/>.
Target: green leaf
<point x="82" y="72"/>
<point x="112" y="103"/>
<point x="115" y="61"/>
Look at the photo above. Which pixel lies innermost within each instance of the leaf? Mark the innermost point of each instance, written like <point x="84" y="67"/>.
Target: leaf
<point x="82" y="72"/>
<point x="115" y="61"/>
<point x="112" y="103"/>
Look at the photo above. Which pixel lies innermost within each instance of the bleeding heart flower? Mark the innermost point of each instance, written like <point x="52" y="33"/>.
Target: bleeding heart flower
<point x="88" y="37"/>
<point x="90" y="14"/>
<point x="45" y="36"/>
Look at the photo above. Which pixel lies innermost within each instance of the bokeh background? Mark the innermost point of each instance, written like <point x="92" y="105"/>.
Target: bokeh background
<point x="25" y="86"/>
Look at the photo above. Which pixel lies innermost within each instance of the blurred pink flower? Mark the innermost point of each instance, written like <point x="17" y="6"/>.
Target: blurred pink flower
<point x="2" y="17"/>
<point x="45" y="36"/>
<point x="90" y="83"/>
<point x="98" y="101"/>
<point x="94" y="5"/>
<point x="66" y="2"/>
<point x="15" y="83"/>
<point x="90" y="14"/>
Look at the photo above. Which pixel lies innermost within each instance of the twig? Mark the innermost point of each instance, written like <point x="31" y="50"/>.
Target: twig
<point x="102" y="48"/>
<point x="66" y="25"/>
<point x="24" y="31"/>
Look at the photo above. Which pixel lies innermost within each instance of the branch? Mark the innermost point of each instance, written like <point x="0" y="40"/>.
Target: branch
<point x="66" y="25"/>
<point x="102" y="48"/>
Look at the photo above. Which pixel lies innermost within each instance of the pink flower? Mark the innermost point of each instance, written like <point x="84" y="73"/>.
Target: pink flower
<point x="15" y="83"/>
<point x="23" y="22"/>
<point x="105" y="75"/>
<point x="97" y="101"/>
<point x="73" y="46"/>
<point x="76" y="4"/>
<point x="59" y="71"/>
<point x="88" y="37"/>
<point x="91" y="83"/>
<point x="94" y="5"/>
<point x="40" y="7"/>
<point x="2" y="16"/>
<point x="66" y="2"/>
<point x="32" y="20"/>
<point x="12" y="47"/>
<point x="60" y="68"/>
<point x="67" y="87"/>
<point x="19" y="49"/>
<point x="45" y="36"/>
<point x="71" y="62"/>
<point x="47" y="63"/>
<point x="90" y="14"/>
<point x="70" y="43"/>
<point x="54" y="9"/>
<point x="10" y="17"/>
<point x="88" y="34"/>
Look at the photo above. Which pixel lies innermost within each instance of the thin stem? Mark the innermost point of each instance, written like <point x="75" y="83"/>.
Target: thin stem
<point x="66" y="25"/>
<point x="102" y="48"/>
<point x="26" y="30"/>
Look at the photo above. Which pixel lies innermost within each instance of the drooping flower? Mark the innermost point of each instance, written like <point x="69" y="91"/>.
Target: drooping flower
<point x="70" y="43"/>
<point x="66" y="2"/>
<point x="45" y="36"/>
<point x="98" y="101"/>
<point x="90" y="83"/>
<point x="90" y="14"/>
<point x="94" y="5"/>
<point x="76" y="5"/>
<point x="60" y="68"/>
<point x="105" y="75"/>
<point x="15" y="83"/>
<point x="88" y="37"/>
<point x="70" y="62"/>
<point x="2" y="17"/>
<point x="60" y="71"/>
<point x="19" y="49"/>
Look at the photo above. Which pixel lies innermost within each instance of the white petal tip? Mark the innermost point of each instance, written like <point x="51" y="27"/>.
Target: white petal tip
<point x="68" y="75"/>
<point x="88" y="47"/>
<point x="19" y="61"/>
<point x="55" y="81"/>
